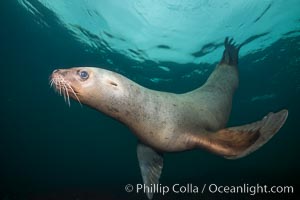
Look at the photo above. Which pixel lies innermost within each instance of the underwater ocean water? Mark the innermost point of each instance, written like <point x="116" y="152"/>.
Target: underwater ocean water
<point x="51" y="151"/>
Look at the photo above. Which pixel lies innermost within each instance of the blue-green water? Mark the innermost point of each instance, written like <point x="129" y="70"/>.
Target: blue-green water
<point x="51" y="151"/>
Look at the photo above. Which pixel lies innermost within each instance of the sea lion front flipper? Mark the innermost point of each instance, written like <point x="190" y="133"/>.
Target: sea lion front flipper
<point x="151" y="164"/>
<point x="237" y="142"/>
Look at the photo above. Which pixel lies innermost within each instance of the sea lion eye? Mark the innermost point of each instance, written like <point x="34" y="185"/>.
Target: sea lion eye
<point x="84" y="75"/>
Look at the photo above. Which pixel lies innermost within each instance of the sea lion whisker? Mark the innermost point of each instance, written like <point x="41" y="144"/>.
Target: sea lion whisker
<point x="57" y="86"/>
<point x="60" y="82"/>
<point x="54" y="82"/>
<point x="63" y="87"/>
<point x="51" y="83"/>
<point x="60" y="89"/>
<point x="72" y="90"/>
<point x="66" y="94"/>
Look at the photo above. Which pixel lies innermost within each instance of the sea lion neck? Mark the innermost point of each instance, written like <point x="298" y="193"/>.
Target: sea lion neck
<point x="119" y="97"/>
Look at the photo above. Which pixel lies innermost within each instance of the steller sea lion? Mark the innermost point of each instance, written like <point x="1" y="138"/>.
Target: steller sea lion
<point x="168" y="122"/>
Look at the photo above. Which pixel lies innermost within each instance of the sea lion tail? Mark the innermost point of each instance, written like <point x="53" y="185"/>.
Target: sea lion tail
<point x="237" y="142"/>
<point x="231" y="53"/>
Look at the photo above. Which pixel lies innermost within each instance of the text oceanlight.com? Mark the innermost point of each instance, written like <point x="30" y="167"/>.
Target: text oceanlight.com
<point x="210" y="188"/>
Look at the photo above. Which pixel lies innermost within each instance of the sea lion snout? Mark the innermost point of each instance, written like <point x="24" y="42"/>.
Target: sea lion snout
<point x="61" y="72"/>
<point x="65" y="82"/>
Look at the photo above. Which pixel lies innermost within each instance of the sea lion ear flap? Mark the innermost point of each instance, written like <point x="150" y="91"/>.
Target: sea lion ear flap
<point x="151" y="164"/>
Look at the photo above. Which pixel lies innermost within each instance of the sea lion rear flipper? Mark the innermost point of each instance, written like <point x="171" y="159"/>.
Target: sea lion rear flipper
<point x="230" y="54"/>
<point x="151" y="164"/>
<point x="237" y="142"/>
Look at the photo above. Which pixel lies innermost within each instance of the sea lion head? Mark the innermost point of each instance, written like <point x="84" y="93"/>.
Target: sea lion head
<point x="92" y="86"/>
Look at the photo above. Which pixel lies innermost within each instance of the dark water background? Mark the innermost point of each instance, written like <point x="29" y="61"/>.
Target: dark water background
<point x="51" y="151"/>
